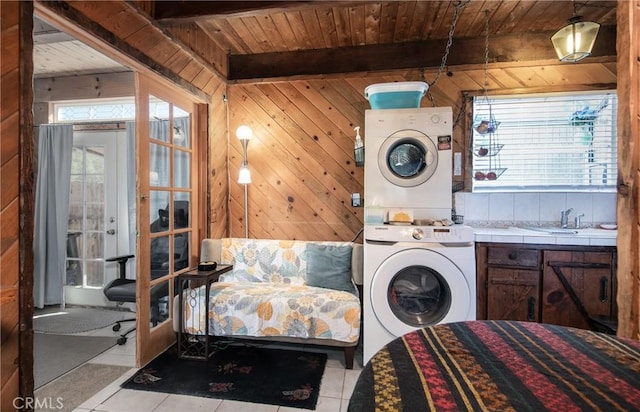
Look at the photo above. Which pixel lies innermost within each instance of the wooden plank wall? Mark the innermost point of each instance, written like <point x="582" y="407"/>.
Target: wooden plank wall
<point x="628" y="241"/>
<point x="218" y="176"/>
<point x="16" y="226"/>
<point x="10" y="204"/>
<point x="301" y="156"/>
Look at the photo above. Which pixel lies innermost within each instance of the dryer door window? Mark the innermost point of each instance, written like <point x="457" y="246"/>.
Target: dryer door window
<point x="408" y="158"/>
<point x="419" y="296"/>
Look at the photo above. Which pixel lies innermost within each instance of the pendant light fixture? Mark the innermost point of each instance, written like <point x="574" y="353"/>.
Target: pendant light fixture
<point x="575" y="41"/>
<point x="244" y="134"/>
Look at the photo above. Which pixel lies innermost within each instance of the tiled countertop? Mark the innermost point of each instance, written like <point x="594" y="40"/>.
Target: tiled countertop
<point x="584" y="237"/>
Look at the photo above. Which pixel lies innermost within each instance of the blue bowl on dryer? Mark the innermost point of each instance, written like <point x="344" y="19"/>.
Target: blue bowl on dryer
<point x="396" y="95"/>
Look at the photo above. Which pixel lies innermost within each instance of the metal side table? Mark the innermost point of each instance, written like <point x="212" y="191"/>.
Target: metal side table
<point x="196" y="346"/>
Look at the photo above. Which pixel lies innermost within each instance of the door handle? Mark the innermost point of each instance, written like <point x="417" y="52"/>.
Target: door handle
<point x="531" y="306"/>
<point x="603" y="289"/>
<point x="111" y="232"/>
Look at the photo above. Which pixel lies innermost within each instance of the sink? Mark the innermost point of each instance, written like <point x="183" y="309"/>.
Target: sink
<point x="553" y="230"/>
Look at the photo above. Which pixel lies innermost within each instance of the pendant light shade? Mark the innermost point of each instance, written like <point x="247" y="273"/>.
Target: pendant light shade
<point x="244" y="134"/>
<point x="244" y="176"/>
<point x="575" y="41"/>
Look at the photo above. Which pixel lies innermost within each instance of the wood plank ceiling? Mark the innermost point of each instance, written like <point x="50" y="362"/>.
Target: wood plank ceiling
<point x="267" y="39"/>
<point x="57" y="54"/>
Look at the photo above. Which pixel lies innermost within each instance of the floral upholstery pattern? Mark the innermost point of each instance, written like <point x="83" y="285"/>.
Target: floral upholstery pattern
<point x="265" y="295"/>
<point x="264" y="260"/>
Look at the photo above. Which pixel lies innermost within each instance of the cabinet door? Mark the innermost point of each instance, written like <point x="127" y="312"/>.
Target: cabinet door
<point x="589" y="274"/>
<point x="512" y="294"/>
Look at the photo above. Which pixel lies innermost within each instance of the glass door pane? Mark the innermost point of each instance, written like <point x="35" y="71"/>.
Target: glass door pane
<point x="92" y="218"/>
<point x="166" y="207"/>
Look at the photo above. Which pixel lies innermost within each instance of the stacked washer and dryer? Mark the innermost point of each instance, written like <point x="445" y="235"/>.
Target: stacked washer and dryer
<point x="416" y="274"/>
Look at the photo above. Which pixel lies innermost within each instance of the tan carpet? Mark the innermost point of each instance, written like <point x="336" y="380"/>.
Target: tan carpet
<point x="54" y="355"/>
<point x="72" y="389"/>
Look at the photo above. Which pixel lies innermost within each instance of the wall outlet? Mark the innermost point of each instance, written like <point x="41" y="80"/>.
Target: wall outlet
<point x="457" y="164"/>
<point x="356" y="200"/>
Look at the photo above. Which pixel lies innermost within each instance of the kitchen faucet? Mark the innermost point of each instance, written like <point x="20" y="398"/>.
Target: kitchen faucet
<point x="579" y="221"/>
<point x="564" y="217"/>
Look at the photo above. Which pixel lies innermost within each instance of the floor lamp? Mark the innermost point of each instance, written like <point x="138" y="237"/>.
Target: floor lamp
<point x="244" y="133"/>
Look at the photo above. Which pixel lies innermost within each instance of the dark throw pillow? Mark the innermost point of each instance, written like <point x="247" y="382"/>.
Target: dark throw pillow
<point x="329" y="267"/>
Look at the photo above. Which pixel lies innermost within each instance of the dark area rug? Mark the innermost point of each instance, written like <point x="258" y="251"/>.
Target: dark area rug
<point x="242" y="373"/>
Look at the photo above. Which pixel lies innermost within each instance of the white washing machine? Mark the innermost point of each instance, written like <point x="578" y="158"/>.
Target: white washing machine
<point x="408" y="159"/>
<point x="415" y="276"/>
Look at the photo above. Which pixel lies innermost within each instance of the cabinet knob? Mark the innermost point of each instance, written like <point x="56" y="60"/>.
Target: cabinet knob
<point x="513" y="255"/>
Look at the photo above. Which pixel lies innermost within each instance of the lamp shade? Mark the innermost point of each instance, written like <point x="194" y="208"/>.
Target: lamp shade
<point x="575" y="41"/>
<point x="244" y="177"/>
<point x="244" y="132"/>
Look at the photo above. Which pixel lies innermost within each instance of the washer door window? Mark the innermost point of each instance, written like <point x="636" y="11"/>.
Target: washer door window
<point x="419" y="296"/>
<point x="429" y="290"/>
<point x="408" y="158"/>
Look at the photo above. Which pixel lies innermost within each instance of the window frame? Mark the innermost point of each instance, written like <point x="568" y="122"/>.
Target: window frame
<point x="473" y="187"/>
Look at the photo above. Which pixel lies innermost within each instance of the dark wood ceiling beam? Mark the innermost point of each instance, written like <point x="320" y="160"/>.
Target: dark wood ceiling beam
<point x="190" y="11"/>
<point x="516" y="47"/>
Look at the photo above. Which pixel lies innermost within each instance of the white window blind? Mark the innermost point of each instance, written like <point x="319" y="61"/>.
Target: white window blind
<point x="551" y="142"/>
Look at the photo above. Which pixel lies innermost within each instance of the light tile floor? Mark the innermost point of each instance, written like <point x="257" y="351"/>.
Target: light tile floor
<point x="335" y="390"/>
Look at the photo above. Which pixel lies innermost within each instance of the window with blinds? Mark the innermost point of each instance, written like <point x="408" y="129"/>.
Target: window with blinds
<point x="551" y="142"/>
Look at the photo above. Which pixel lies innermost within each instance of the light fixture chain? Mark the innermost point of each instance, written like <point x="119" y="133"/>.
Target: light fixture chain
<point x="486" y="52"/>
<point x="459" y="6"/>
<point x="462" y="110"/>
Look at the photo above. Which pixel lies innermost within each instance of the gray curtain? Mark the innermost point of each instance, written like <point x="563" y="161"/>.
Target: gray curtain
<point x="159" y="160"/>
<point x="51" y="215"/>
<point x="181" y="161"/>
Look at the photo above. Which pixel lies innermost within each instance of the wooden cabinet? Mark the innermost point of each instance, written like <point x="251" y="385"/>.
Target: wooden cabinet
<point x="517" y="291"/>
<point x="513" y="279"/>
<point x="562" y="285"/>
<point x="575" y="278"/>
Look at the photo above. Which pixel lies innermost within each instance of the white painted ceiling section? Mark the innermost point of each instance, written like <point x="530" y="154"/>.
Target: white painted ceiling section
<point x="56" y="54"/>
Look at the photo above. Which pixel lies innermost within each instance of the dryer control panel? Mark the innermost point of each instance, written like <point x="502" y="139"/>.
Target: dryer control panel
<point x="412" y="233"/>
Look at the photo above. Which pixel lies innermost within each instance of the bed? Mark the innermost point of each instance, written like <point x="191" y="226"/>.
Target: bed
<point x="501" y="366"/>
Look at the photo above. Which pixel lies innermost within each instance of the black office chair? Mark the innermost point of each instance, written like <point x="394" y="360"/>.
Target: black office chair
<point x="122" y="290"/>
<point x="160" y="245"/>
<point x="73" y="267"/>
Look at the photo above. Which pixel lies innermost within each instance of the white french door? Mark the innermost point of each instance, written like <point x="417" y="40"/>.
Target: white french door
<point x="95" y="228"/>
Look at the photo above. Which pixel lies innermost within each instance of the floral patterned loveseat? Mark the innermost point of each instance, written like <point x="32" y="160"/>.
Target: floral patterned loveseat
<point x="283" y="290"/>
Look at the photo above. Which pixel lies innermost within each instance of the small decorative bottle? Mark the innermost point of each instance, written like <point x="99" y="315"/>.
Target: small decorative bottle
<point x="358" y="149"/>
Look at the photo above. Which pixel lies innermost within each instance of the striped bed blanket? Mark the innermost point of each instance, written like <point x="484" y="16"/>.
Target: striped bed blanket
<point x="501" y="366"/>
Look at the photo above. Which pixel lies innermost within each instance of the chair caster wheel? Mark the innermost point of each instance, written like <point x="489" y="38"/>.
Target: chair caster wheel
<point x="116" y="327"/>
<point x="121" y="340"/>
